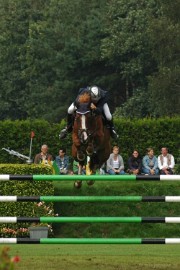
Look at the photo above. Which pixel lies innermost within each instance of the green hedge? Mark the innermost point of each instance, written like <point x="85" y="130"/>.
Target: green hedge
<point x="137" y="133"/>
<point x="23" y="188"/>
<point x="143" y="133"/>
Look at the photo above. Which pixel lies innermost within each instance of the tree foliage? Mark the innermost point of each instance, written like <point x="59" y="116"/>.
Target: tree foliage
<point x="50" y="48"/>
<point x="164" y="84"/>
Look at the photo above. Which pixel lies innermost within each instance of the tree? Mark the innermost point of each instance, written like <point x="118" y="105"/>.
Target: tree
<point x="164" y="84"/>
<point x="126" y="45"/>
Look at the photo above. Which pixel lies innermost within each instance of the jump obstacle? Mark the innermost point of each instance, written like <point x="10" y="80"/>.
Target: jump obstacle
<point x="6" y="177"/>
<point x="90" y="199"/>
<point x="90" y="241"/>
<point x="90" y="219"/>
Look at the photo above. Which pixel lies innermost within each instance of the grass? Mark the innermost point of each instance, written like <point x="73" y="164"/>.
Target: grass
<point x="97" y="257"/>
<point x="140" y="209"/>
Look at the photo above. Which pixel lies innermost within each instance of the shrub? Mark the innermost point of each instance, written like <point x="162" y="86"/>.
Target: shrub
<point x="23" y="188"/>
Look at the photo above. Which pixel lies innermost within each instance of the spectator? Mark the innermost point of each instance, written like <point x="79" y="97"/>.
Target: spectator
<point x="135" y="163"/>
<point x="115" y="164"/>
<point x="165" y="162"/>
<point x="150" y="163"/>
<point x="62" y="161"/>
<point x="76" y="168"/>
<point x="44" y="157"/>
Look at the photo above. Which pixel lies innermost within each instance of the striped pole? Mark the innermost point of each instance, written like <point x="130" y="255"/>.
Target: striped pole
<point x="4" y="177"/>
<point x="90" y="199"/>
<point x="91" y="219"/>
<point x="90" y="241"/>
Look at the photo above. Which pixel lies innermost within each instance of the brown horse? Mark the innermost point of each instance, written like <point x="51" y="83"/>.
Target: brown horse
<point x="90" y="138"/>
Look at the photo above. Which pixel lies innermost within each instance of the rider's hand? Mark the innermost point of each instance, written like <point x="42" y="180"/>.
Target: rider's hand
<point x="92" y="106"/>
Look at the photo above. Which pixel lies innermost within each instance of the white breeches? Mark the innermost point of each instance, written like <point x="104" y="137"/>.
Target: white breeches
<point x="107" y="112"/>
<point x="72" y="108"/>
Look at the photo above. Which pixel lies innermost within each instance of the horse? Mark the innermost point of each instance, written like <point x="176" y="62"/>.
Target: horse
<point x="91" y="138"/>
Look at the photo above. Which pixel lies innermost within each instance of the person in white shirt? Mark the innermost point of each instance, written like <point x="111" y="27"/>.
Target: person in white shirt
<point x="115" y="164"/>
<point x="165" y="162"/>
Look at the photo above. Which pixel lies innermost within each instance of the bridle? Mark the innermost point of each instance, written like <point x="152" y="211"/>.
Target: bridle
<point x="85" y="135"/>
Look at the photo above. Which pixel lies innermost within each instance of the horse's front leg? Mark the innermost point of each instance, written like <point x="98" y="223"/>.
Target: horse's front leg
<point x="90" y="149"/>
<point x="78" y="183"/>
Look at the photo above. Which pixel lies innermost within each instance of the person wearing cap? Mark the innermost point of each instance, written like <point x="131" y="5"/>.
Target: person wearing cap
<point x="98" y="105"/>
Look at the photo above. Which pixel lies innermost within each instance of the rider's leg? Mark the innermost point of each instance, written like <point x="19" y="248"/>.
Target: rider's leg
<point x="70" y="121"/>
<point x="109" y="121"/>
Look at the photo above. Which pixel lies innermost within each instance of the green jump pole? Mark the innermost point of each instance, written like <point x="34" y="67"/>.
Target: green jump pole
<point x="91" y="219"/>
<point x="92" y="198"/>
<point x="85" y="177"/>
<point x="91" y="241"/>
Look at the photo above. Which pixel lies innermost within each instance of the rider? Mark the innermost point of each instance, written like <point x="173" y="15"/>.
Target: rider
<point x="98" y="105"/>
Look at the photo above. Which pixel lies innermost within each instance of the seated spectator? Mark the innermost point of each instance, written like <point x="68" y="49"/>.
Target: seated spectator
<point x="62" y="161"/>
<point x="115" y="163"/>
<point x="135" y="163"/>
<point x="150" y="163"/>
<point x="76" y="168"/>
<point x="165" y="162"/>
<point x="44" y="157"/>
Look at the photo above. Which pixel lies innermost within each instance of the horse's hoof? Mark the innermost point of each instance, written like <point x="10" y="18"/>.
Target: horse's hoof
<point x="78" y="184"/>
<point x="90" y="182"/>
<point x="80" y="156"/>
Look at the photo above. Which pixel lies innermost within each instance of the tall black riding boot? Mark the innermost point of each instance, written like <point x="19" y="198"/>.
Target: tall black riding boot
<point x="110" y="125"/>
<point x="68" y="128"/>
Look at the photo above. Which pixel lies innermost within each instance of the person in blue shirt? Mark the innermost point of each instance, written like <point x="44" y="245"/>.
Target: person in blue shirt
<point x="98" y="105"/>
<point x="62" y="161"/>
<point x="150" y="163"/>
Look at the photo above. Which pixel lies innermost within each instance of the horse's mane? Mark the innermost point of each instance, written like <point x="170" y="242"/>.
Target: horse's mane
<point x="84" y="98"/>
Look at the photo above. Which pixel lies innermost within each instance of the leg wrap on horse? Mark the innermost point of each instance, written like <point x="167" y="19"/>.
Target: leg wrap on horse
<point x="90" y="149"/>
<point x="80" y="155"/>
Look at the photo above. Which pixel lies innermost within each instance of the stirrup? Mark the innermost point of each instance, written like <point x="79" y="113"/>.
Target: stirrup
<point x="63" y="134"/>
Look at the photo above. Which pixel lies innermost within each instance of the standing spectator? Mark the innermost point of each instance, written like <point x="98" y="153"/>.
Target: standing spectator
<point x="115" y="163"/>
<point x="44" y="157"/>
<point x="165" y="162"/>
<point x="62" y="161"/>
<point x="135" y="163"/>
<point x="150" y="163"/>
